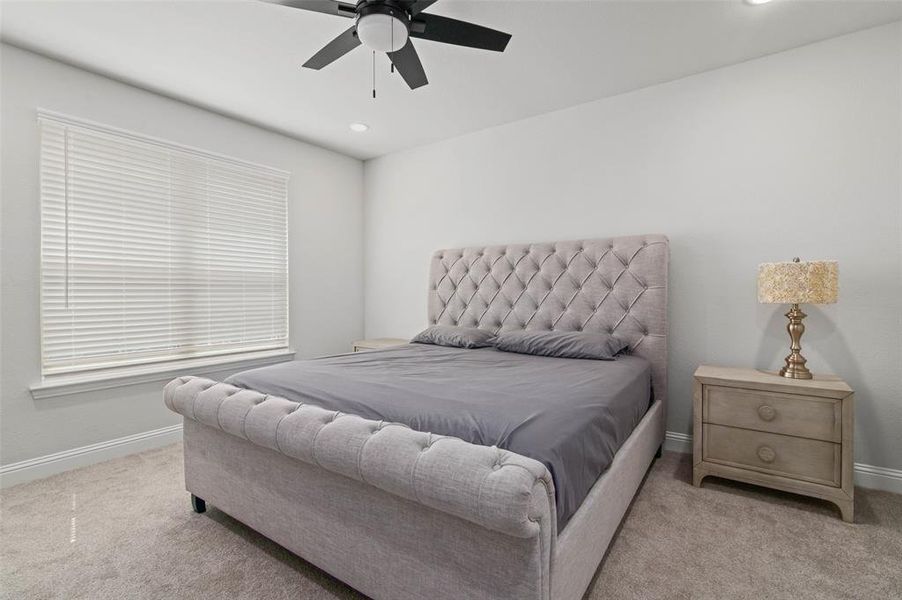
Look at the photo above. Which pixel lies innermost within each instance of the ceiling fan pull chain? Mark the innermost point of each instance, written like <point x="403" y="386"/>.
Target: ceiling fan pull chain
<point x="374" y="74"/>
<point x="390" y="61"/>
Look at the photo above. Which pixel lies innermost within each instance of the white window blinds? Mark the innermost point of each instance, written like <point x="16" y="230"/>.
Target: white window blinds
<point x="153" y="252"/>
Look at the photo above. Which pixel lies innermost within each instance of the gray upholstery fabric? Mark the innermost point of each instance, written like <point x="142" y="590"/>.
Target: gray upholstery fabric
<point x="616" y="285"/>
<point x="454" y="337"/>
<point x="495" y="488"/>
<point x="395" y="549"/>
<point x="561" y="344"/>
<point x="385" y="546"/>
<point x="582" y="544"/>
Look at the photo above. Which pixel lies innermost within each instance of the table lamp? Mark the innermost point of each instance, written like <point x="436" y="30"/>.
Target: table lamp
<point x="797" y="282"/>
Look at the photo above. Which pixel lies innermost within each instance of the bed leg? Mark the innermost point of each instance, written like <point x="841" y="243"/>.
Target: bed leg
<point x="660" y="451"/>
<point x="198" y="504"/>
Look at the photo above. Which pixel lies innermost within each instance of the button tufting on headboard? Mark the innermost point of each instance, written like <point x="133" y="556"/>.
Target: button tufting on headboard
<point x="616" y="285"/>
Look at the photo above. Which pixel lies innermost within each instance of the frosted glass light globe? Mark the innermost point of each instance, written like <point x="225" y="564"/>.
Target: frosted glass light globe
<point x="381" y="32"/>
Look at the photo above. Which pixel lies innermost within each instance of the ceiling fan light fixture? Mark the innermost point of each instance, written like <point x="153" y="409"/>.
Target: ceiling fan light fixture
<point x="389" y="26"/>
<point x="382" y="32"/>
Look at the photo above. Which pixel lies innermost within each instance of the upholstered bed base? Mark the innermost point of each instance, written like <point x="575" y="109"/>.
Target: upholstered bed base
<point x="401" y="514"/>
<point x="393" y="544"/>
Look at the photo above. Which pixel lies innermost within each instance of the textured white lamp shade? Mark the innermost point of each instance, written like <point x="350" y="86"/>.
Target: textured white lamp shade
<point x="808" y="282"/>
<point x="381" y="32"/>
<point x="797" y="282"/>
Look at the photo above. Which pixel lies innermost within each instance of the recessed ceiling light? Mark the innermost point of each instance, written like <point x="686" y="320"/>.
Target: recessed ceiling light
<point x="753" y="2"/>
<point x="359" y="127"/>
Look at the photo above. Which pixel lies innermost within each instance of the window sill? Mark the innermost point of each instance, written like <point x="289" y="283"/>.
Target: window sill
<point x="64" y="385"/>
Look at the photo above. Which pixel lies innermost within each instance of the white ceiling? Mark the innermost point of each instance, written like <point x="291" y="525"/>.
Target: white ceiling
<point x="243" y="58"/>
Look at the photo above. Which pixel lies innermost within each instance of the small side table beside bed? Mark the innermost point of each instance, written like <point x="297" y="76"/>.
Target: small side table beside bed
<point x="376" y="343"/>
<point x="793" y="435"/>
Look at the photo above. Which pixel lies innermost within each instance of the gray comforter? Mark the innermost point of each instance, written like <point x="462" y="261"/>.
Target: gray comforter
<point x="570" y="414"/>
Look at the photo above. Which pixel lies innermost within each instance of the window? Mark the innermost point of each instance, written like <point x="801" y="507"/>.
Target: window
<point x="154" y="252"/>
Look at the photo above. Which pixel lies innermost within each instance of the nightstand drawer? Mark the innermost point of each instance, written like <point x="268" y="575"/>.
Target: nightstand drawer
<point x="805" y="459"/>
<point x="789" y="414"/>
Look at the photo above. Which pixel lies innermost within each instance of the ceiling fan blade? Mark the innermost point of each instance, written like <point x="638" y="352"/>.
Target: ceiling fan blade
<point x="419" y="6"/>
<point x="460" y="33"/>
<point x="409" y="66"/>
<point x="334" y="50"/>
<point x="328" y="7"/>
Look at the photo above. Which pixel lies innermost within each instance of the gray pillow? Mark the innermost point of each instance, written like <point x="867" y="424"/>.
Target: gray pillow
<point x="455" y="337"/>
<point x="561" y="344"/>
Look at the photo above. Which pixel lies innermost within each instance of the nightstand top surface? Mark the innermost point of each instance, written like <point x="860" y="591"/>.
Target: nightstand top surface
<point x="381" y="341"/>
<point x="823" y="385"/>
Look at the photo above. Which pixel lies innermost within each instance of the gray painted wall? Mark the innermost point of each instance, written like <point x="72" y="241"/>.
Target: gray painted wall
<point x="793" y="154"/>
<point x="325" y="245"/>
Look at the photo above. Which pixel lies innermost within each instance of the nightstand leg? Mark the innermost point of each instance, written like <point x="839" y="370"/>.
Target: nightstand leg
<point x="697" y="476"/>
<point x="847" y="510"/>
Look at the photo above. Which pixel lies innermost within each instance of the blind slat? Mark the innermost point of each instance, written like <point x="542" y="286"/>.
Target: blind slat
<point x="153" y="252"/>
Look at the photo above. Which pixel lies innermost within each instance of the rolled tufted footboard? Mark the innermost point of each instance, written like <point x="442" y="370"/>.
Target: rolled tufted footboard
<point x="396" y="513"/>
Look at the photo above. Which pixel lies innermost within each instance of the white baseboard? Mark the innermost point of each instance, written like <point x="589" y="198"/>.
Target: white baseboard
<point x="678" y="442"/>
<point x="51" y="464"/>
<point x="878" y="478"/>
<point x="866" y="476"/>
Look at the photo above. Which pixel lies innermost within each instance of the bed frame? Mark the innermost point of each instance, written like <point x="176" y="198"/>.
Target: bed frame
<point x="403" y="514"/>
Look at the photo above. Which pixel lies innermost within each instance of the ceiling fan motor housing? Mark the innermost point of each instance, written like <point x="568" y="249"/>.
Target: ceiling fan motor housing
<point x="388" y="26"/>
<point x="382" y="25"/>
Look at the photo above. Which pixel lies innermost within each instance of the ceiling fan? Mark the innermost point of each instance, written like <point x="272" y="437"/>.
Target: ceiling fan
<point x="387" y="26"/>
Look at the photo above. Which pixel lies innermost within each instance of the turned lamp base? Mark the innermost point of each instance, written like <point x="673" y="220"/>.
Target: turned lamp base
<point x="795" y="363"/>
<point x="811" y="282"/>
<point x="796" y="372"/>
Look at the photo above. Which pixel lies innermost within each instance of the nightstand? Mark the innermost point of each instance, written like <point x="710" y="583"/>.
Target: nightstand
<point x="376" y="343"/>
<point x="794" y="435"/>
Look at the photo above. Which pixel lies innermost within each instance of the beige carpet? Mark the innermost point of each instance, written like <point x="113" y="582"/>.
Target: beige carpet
<point x="124" y="529"/>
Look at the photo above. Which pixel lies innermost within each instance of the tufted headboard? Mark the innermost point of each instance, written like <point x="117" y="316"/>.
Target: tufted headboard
<point x="616" y="285"/>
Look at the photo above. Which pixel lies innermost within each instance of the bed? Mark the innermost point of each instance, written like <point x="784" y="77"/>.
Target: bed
<point x="339" y="459"/>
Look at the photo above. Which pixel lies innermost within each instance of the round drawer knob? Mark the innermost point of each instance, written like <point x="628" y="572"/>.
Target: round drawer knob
<point x="767" y="412"/>
<point x="767" y="454"/>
